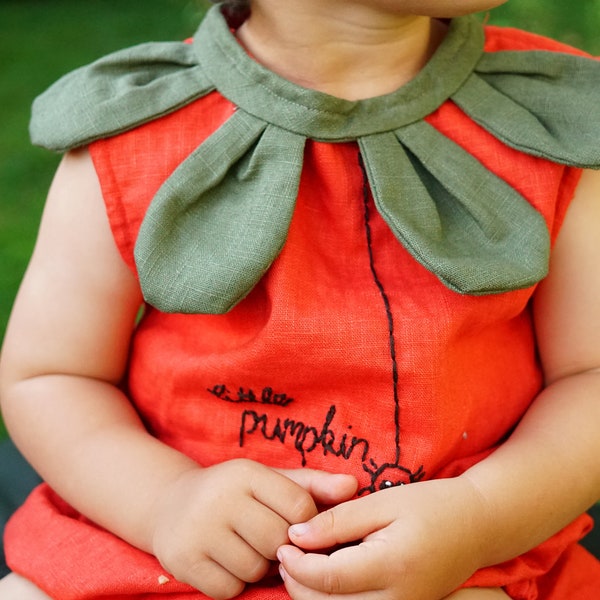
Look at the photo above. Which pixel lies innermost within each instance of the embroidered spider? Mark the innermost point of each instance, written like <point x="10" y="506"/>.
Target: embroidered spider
<point x="389" y="475"/>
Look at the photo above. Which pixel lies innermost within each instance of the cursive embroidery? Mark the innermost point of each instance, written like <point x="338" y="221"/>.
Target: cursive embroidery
<point x="306" y="438"/>
<point x="267" y="396"/>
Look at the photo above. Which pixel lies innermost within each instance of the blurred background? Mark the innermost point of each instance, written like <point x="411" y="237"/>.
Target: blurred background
<point x="42" y="39"/>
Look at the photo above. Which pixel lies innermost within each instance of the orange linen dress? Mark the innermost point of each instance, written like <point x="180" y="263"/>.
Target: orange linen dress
<point x="347" y="356"/>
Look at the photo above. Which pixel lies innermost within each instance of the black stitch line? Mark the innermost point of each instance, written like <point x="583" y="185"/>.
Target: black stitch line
<point x="386" y="302"/>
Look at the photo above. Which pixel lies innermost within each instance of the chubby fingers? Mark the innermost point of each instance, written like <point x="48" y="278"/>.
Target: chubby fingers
<point x="347" y="522"/>
<point x="345" y="572"/>
<point x="359" y="569"/>
<point x="325" y="488"/>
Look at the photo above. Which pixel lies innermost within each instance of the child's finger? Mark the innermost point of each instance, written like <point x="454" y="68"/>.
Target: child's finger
<point x="239" y="559"/>
<point x="297" y="591"/>
<point x="343" y="572"/>
<point x="261" y="528"/>
<point x="347" y="522"/>
<point x="211" y="579"/>
<point x="325" y="488"/>
<point x="279" y="493"/>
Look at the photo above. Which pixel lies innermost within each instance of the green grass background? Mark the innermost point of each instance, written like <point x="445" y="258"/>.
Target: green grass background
<point x="42" y="39"/>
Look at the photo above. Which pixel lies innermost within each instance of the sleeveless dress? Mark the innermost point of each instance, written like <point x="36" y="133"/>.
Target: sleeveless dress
<point x="337" y="292"/>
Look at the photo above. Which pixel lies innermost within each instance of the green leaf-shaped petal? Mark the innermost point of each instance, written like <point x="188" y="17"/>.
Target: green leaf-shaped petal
<point x="117" y="93"/>
<point x="459" y="220"/>
<point x="546" y="104"/>
<point x="219" y="221"/>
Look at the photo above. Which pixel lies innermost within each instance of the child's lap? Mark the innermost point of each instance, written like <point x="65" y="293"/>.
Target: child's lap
<point x="478" y="594"/>
<point x="15" y="587"/>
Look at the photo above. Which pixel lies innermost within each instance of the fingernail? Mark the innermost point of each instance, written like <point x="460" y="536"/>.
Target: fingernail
<point x="282" y="572"/>
<point x="298" y="530"/>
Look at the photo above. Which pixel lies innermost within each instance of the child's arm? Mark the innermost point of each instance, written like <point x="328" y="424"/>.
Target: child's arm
<point x="424" y="539"/>
<point x="64" y="355"/>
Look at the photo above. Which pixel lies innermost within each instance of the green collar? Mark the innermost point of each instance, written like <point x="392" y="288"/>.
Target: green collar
<point x="318" y="116"/>
<point x="217" y="224"/>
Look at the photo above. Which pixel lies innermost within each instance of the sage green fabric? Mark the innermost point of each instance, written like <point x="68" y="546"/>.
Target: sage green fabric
<point x="542" y="103"/>
<point x="220" y="220"/>
<point x="325" y="118"/>
<point x="444" y="222"/>
<point x="208" y="223"/>
<point x="117" y="93"/>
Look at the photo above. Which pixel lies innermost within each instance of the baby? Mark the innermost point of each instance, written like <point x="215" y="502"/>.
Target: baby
<point x="364" y="234"/>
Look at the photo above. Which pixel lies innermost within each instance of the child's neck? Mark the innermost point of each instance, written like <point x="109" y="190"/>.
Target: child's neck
<point x="353" y="54"/>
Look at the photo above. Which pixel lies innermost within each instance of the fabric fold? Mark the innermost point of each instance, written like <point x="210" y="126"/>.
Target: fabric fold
<point x="527" y="100"/>
<point x="216" y="225"/>
<point x="320" y="116"/>
<point x="117" y="93"/>
<point x="219" y="222"/>
<point x="475" y="232"/>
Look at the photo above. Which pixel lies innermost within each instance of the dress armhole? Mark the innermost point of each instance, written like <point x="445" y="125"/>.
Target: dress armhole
<point x="566" y="193"/>
<point x="119" y="219"/>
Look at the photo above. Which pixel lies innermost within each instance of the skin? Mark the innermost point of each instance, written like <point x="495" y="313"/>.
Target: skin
<point x="351" y="49"/>
<point x="66" y="350"/>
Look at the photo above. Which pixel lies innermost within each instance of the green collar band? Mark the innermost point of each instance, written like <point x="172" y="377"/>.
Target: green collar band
<point x="320" y="116"/>
<point x="217" y="224"/>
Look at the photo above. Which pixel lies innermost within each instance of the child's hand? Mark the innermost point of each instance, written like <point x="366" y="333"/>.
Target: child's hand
<point x="218" y="528"/>
<point x="417" y="542"/>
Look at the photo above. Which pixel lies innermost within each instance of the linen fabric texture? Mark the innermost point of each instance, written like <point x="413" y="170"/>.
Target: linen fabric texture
<point x="485" y="243"/>
<point x="329" y="310"/>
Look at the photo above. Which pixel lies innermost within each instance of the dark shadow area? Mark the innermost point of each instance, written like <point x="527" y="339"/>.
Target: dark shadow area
<point x="17" y="479"/>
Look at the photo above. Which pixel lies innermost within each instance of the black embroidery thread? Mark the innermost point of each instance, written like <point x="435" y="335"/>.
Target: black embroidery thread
<point x="248" y="395"/>
<point x="307" y="438"/>
<point x="387" y="306"/>
<point x="388" y="474"/>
